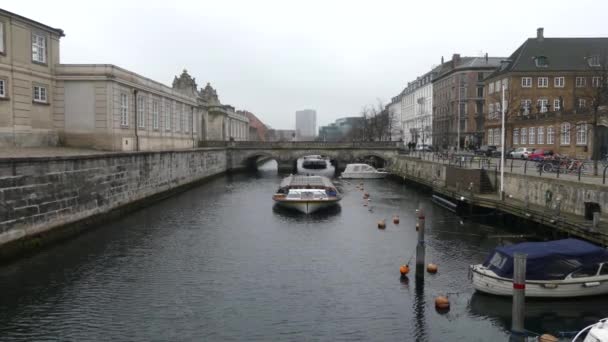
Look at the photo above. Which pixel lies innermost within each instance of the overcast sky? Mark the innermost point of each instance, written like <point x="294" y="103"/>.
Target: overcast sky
<point x="275" y="57"/>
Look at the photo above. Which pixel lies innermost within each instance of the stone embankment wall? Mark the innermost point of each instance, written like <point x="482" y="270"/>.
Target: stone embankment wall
<point x="541" y="191"/>
<point x="39" y="194"/>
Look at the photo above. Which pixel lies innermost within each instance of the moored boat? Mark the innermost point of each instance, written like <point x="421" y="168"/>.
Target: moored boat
<point x="306" y="194"/>
<point x="562" y="268"/>
<point x="363" y="171"/>
<point x="312" y="165"/>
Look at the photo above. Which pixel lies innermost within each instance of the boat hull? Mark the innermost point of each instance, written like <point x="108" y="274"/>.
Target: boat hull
<point x="364" y="175"/>
<point x="307" y="207"/>
<point x="486" y="281"/>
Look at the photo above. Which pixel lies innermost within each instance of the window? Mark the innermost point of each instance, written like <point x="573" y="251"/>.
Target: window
<point x="480" y="77"/>
<point x="141" y="110"/>
<point x="543" y="82"/>
<point x="40" y="94"/>
<point x="2" y="37"/>
<point x="542" y="105"/>
<point x="497" y="86"/>
<point x="531" y="135"/>
<point x="581" y="134"/>
<point x="541" y="61"/>
<point x="582" y="103"/>
<point x="490" y="111"/>
<point x="491" y="88"/>
<point x="595" y="81"/>
<point x="581" y="82"/>
<point x="565" y="134"/>
<point x="184" y="116"/>
<point x="38" y="48"/>
<point x="497" y="136"/>
<point x="558" y="82"/>
<point x="497" y="108"/>
<point x="155" y="113"/>
<point x="525" y="106"/>
<point x="479" y="91"/>
<point x="124" y="110"/>
<point x="516" y="136"/>
<point x="194" y="123"/>
<point x="2" y="87"/>
<point x="524" y="136"/>
<point x="505" y="83"/>
<point x="526" y="82"/>
<point x="490" y="137"/>
<point x="550" y="135"/>
<point x="541" y="135"/>
<point x="167" y="116"/>
<point x="557" y="104"/>
<point x="594" y="61"/>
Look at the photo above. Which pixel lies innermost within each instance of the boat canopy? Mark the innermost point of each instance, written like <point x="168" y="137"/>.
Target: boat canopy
<point x="546" y="260"/>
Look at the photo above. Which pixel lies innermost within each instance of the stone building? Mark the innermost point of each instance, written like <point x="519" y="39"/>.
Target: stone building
<point x="417" y="109"/>
<point x="109" y="108"/>
<point x="224" y="123"/>
<point x="29" y="53"/>
<point x="458" y="101"/>
<point x="395" y="114"/>
<point x="551" y="86"/>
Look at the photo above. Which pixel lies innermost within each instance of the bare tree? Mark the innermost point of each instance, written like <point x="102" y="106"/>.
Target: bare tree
<point x="599" y="103"/>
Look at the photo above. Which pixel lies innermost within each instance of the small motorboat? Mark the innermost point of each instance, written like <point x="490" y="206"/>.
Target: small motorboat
<point x="312" y="165"/>
<point x="353" y="171"/>
<point x="598" y="332"/>
<point x="306" y="194"/>
<point x="562" y="268"/>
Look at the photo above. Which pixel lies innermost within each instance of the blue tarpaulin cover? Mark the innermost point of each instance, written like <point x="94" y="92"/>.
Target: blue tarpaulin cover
<point x="546" y="260"/>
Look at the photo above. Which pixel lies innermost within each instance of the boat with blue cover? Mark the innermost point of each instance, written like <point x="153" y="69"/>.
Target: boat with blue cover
<point x="561" y="268"/>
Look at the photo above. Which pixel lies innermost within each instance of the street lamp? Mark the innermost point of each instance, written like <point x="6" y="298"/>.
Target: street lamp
<point x="502" y="142"/>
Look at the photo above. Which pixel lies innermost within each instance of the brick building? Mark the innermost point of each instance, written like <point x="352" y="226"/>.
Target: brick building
<point x="458" y="96"/>
<point x="551" y="87"/>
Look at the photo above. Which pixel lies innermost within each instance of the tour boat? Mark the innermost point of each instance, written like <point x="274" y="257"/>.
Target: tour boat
<point x="560" y="268"/>
<point x="307" y="194"/>
<point x="313" y="165"/>
<point x="362" y="171"/>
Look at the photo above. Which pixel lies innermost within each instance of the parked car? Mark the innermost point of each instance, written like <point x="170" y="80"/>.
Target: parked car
<point x="424" y="148"/>
<point x="486" y="150"/>
<point x="522" y="152"/>
<point x="540" y="154"/>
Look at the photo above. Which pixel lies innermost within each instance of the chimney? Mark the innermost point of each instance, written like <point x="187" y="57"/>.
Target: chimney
<point x="442" y="60"/>
<point x="540" y="34"/>
<point x="486" y="57"/>
<point x="455" y="59"/>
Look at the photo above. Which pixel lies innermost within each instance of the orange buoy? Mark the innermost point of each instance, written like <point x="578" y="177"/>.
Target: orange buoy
<point x="547" y="338"/>
<point x="404" y="269"/>
<point x="442" y="303"/>
<point x="381" y="224"/>
<point x="396" y="219"/>
<point x="431" y="268"/>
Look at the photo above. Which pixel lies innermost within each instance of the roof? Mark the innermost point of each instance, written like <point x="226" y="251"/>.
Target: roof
<point x="468" y="63"/>
<point x="298" y="181"/>
<point x="563" y="54"/>
<point x="57" y="31"/>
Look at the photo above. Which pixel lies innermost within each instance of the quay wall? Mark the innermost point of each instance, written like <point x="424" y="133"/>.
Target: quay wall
<point x="40" y="194"/>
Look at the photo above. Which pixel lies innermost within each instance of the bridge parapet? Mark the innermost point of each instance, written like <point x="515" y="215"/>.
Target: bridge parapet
<point x="392" y="145"/>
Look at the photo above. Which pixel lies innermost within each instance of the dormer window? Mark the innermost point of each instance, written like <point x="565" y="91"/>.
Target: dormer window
<point x="541" y="61"/>
<point x="594" y="61"/>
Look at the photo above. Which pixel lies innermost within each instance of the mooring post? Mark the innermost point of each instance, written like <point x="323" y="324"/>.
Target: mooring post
<point x="519" y="297"/>
<point x="420" y="245"/>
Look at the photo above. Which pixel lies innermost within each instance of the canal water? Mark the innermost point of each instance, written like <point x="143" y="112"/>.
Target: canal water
<point x="219" y="262"/>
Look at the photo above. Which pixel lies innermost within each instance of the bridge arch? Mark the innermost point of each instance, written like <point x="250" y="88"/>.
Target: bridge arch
<point x="250" y="160"/>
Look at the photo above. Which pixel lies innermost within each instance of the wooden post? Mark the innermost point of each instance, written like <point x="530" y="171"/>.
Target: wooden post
<point x="519" y="297"/>
<point x="420" y="245"/>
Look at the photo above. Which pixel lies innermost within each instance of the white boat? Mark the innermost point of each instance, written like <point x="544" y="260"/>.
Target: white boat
<point x="560" y="269"/>
<point x="362" y="171"/>
<point x="306" y="194"/>
<point x="598" y="332"/>
<point x="312" y="165"/>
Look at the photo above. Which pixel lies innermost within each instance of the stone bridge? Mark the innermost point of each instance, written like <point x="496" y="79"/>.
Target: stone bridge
<point x="244" y="154"/>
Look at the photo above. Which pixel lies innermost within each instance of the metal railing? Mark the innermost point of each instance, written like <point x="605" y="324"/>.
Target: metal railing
<point x="581" y="171"/>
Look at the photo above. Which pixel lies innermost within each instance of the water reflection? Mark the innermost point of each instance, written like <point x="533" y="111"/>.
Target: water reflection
<point x="542" y="315"/>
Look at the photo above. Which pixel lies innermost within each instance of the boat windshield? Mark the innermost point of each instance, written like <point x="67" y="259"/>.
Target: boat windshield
<point x="586" y="271"/>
